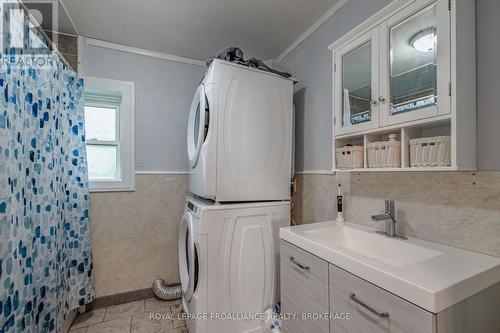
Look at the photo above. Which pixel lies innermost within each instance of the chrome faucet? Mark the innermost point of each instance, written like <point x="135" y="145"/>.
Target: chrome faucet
<point x="390" y="219"/>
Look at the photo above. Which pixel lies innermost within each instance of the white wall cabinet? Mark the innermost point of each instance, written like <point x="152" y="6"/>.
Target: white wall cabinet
<point x="400" y="70"/>
<point x="414" y="83"/>
<point x="310" y="285"/>
<point x="358" y="74"/>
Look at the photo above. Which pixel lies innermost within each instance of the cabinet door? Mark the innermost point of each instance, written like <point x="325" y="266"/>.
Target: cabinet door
<point x="373" y="309"/>
<point x="304" y="290"/>
<point x="356" y="84"/>
<point x="415" y="63"/>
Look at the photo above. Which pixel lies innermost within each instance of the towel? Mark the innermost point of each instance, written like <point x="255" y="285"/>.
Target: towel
<point x="347" y="108"/>
<point x="235" y="54"/>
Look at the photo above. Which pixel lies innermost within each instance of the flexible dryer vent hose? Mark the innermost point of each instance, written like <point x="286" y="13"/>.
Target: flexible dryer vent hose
<point x="166" y="292"/>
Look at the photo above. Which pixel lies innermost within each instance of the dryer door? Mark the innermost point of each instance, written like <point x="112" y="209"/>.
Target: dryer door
<point x="187" y="256"/>
<point x="197" y="125"/>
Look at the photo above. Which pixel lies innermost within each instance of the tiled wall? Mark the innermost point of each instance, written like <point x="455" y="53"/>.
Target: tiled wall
<point x="460" y="209"/>
<point x="68" y="47"/>
<point x="314" y="200"/>
<point x="134" y="234"/>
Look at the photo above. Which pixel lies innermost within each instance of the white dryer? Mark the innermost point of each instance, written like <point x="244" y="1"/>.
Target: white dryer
<point x="239" y="135"/>
<point x="228" y="261"/>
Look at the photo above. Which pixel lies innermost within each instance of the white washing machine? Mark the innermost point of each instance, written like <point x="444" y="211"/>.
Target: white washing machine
<point x="240" y="135"/>
<point x="229" y="262"/>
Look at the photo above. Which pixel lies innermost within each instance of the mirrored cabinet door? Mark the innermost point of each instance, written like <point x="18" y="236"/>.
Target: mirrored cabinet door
<point x="356" y="73"/>
<point x="415" y="67"/>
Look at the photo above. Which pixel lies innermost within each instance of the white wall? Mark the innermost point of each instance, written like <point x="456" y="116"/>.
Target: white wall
<point x="134" y="234"/>
<point x="488" y="74"/>
<point x="164" y="91"/>
<point x="455" y="208"/>
<point x="311" y="63"/>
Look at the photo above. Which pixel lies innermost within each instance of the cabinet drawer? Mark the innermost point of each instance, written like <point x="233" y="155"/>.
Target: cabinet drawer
<point x="369" y="305"/>
<point x="304" y="289"/>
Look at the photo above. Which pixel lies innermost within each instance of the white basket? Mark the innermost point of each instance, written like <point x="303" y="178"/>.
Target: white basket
<point x="430" y="152"/>
<point x="349" y="157"/>
<point x="384" y="154"/>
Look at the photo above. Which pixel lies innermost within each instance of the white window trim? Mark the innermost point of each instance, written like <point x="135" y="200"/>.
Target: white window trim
<point x="126" y="119"/>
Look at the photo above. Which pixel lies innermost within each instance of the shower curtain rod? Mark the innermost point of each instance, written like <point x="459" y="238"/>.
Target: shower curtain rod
<point x="50" y="44"/>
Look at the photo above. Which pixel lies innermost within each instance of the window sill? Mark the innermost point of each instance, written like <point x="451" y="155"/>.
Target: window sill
<point x="112" y="185"/>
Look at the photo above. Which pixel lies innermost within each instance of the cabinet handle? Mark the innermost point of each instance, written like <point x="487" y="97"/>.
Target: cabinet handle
<point x="369" y="308"/>
<point x="381" y="99"/>
<point x="306" y="268"/>
<point x="373" y="102"/>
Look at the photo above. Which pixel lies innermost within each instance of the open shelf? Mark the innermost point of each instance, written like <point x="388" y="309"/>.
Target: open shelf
<point x="433" y="127"/>
<point x="422" y="131"/>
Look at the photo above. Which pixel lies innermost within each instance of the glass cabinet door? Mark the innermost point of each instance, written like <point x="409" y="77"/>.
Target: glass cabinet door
<point x="356" y="76"/>
<point x="415" y="72"/>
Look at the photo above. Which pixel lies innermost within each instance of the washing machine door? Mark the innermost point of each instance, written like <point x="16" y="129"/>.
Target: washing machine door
<point x="197" y="125"/>
<point x="187" y="258"/>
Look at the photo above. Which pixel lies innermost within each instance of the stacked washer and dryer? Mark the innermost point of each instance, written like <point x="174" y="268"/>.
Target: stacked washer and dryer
<point x="240" y="162"/>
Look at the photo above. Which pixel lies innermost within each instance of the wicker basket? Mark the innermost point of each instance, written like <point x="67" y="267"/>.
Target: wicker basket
<point x="384" y="154"/>
<point x="350" y="157"/>
<point x="430" y="152"/>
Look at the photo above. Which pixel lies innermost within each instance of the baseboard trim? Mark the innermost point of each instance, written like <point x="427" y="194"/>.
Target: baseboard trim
<point x="129" y="296"/>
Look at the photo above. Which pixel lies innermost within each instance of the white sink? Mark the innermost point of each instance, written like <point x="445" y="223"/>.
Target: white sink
<point x="427" y="274"/>
<point x="394" y="252"/>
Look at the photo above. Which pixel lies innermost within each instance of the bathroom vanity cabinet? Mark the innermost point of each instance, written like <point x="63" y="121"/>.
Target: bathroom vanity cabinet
<point x="373" y="309"/>
<point x="304" y="289"/>
<point x="311" y="286"/>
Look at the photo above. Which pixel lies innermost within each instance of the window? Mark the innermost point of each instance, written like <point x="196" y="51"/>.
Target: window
<point x="109" y="131"/>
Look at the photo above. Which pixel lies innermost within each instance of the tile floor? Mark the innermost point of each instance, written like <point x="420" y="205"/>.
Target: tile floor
<point x="133" y="317"/>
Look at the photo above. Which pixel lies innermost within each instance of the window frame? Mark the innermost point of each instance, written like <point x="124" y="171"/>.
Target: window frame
<point x="125" y="136"/>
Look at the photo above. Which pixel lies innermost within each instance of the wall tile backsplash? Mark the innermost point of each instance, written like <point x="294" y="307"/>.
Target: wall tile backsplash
<point x="134" y="234"/>
<point x="460" y="209"/>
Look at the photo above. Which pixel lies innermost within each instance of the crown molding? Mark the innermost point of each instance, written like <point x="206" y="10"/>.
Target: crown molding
<point x="329" y="13"/>
<point x="143" y="52"/>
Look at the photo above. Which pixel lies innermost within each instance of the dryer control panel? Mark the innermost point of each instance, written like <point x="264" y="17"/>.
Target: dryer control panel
<point x="192" y="207"/>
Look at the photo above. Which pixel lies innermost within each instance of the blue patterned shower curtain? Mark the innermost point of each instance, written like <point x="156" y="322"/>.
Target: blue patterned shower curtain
<point x="45" y="256"/>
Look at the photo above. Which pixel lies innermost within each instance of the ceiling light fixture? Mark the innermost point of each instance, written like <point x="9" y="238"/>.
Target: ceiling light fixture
<point x="425" y="40"/>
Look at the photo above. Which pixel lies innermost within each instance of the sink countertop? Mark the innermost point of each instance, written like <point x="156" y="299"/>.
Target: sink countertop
<point x="430" y="275"/>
